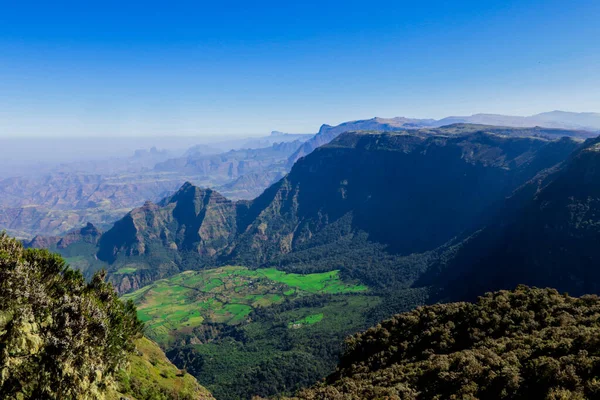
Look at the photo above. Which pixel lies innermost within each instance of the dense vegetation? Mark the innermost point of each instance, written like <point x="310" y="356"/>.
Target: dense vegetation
<point x="64" y="338"/>
<point x="60" y="336"/>
<point x="522" y="344"/>
<point x="280" y="349"/>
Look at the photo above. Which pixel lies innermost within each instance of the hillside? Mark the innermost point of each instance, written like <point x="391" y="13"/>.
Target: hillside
<point x="521" y="344"/>
<point x="150" y="375"/>
<point x="65" y="338"/>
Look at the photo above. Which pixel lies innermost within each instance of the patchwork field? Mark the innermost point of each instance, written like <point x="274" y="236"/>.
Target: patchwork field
<point x="226" y="295"/>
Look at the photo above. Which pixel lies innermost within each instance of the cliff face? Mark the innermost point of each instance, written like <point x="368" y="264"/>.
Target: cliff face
<point x="193" y="219"/>
<point x="547" y="235"/>
<point x="88" y="234"/>
<point x="545" y="127"/>
<point x="411" y="192"/>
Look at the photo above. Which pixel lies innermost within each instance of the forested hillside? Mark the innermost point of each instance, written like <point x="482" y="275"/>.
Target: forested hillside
<point x="523" y="344"/>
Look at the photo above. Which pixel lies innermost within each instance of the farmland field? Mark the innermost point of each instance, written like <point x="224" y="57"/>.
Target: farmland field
<point x="226" y="295"/>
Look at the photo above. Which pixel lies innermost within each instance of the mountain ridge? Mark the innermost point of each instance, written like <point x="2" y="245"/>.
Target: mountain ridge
<point x="555" y="119"/>
<point x="340" y="192"/>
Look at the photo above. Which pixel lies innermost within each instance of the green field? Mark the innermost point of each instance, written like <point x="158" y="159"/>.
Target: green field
<point x="126" y="270"/>
<point x="308" y="320"/>
<point x="225" y="295"/>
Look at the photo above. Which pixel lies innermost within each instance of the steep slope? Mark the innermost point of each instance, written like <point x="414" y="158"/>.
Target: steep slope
<point x="524" y="344"/>
<point x="547" y="235"/>
<point x="190" y="227"/>
<point x="150" y="375"/>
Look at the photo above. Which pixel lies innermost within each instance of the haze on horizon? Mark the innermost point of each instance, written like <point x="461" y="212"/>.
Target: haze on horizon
<point x="193" y="69"/>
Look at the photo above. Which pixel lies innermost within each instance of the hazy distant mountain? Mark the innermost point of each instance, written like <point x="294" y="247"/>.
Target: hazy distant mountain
<point x="239" y="174"/>
<point x="554" y="119"/>
<point x="275" y="137"/>
<point x="66" y="196"/>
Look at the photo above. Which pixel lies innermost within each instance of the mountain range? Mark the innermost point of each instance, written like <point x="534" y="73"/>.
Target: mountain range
<point x="52" y="201"/>
<point x="102" y="191"/>
<point x="339" y="192"/>
<point x="416" y="216"/>
<point x="368" y="225"/>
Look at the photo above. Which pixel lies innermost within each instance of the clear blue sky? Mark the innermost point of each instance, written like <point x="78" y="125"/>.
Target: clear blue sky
<point x="194" y="68"/>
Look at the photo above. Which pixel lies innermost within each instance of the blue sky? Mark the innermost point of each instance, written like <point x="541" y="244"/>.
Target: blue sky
<point x="229" y="67"/>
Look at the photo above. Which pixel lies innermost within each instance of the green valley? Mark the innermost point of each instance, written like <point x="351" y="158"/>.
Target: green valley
<point x="233" y="324"/>
<point x="225" y="295"/>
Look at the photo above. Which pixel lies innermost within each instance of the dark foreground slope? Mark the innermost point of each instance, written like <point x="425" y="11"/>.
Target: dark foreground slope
<point x="524" y="344"/>
<point x="63" y="338"/>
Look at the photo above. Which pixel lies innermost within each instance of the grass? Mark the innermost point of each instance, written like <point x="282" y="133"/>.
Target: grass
<point x="151" y="375"/>
<point x="126" y="270"/>
<point x="325" y="282"/>
<point x="309" y="320"/>
<point x="225" y="295"/>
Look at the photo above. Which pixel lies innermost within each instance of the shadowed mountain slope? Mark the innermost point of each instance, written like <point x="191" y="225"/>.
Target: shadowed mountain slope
<point x="547" y="235"/>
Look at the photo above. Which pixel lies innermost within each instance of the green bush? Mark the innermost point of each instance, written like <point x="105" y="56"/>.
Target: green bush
<point x="60" y="336"/>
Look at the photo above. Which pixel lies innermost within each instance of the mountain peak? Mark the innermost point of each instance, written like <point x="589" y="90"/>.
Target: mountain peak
<point x="186" y="185"/>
